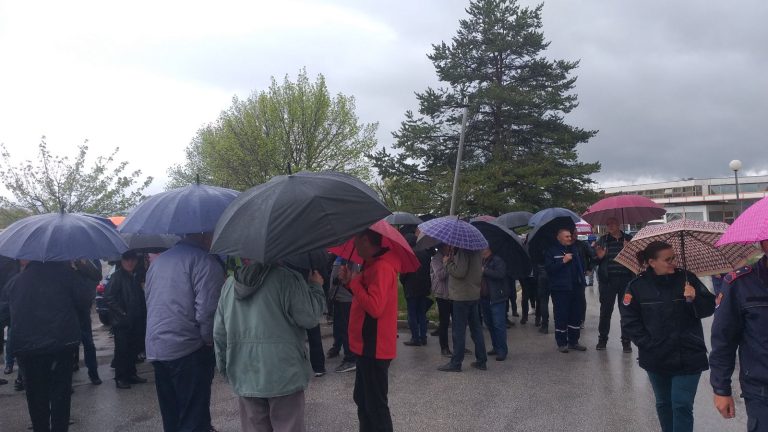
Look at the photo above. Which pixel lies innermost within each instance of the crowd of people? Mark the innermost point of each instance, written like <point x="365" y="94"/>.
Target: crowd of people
<point x="189" y="318"/>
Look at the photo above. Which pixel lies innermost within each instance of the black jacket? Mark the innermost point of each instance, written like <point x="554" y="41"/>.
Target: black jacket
<point x="564" y="276"/>
<point x="608" y="269"/>
<point x="418" y="283"/>
<point x="667" y="329"/>
<point x="495" y="282"/>
<point x="125" y="300"/>
<point x="43" y="303"/>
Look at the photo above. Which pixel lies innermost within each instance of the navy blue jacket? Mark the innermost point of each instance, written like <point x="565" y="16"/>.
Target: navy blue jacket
<point x="562" y="276"/>
<point x="495" y="279"/>
<point x="741" y="322"/>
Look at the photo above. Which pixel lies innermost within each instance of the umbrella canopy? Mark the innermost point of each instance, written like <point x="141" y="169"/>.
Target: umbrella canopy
<point x="117" y="220"/>
<point x="514" y="219"/>
<point x="317" y="259"/>
<point x="391" y="239"/>
<point x="60" y="237"/>
<point x="583" y="228"/>
<point x="507" y="245"/>
<point x="297" y="213"/>
<point x="545" y="225"/>
<point x="483" y="218"/>
<point x="694" y="245"/>
<point x="403" y="218"/>
<point x="150" y="242"/>
<point x="750" y="227"/>
<point x="627" y="209"/>
<point x="190" y="209"/>
<point x="427" y="217"/>
<point x="453" y="232"/>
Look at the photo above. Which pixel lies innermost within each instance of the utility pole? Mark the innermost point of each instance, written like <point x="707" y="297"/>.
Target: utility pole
<point x="459" y="156"/>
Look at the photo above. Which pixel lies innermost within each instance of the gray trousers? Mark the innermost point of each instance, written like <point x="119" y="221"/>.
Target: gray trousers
<point x="278" y="414"/>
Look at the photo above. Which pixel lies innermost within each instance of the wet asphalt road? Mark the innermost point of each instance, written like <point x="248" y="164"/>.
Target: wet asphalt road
<point x="535" y="389"/>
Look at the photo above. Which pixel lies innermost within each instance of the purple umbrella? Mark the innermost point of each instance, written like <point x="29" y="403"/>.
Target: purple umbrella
<point x="627" y="209"/>
<point x="454" y="232"/>
<point x="750" y="227"/>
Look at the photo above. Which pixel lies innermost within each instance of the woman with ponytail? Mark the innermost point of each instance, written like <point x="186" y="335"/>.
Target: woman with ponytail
<point x="661" y="313"/>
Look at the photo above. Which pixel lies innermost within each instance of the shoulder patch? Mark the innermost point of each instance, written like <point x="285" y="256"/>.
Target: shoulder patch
<point x="732" y="276"/>
<point x="627" y="299"/>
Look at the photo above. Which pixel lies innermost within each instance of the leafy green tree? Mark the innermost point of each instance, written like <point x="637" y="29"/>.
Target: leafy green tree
<point x="52" y="183"/>
<point x="519" y="151"/>
<point x="291" y="126"/>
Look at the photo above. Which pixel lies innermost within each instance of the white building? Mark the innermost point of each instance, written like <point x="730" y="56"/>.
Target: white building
<point x="700" y="199"/>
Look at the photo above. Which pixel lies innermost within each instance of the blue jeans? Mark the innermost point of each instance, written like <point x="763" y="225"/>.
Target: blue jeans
<point x="417" y="317"/>
<point x="467" y="312"/>
<point x="495" y="316"/>
<point x="184" y="391"/>
<point x="674" y="400"/>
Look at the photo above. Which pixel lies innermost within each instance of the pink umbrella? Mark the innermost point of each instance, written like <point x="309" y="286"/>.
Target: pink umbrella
<point x="583" y="228"/>
<point x="750" y="227"/>
<point x="628" y="209"/>
<point x="391" y="239"/>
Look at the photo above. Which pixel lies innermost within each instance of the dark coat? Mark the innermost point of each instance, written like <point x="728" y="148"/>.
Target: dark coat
<point x="418" y="283"/>
<point x="667" y="329"/>
<point x="564" y="276"/>
<point x="495" y="282"/>
<point x="125" y="299"/>
<point x="43" y="303"/>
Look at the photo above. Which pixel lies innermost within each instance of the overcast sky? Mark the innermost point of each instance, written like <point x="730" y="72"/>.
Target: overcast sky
<point x="676" y="89"/>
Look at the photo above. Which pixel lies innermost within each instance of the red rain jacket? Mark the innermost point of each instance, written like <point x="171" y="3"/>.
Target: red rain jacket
<point x="373" y="317"/>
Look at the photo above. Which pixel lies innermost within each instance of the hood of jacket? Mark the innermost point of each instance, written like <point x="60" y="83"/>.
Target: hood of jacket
<point x="249" y="279"/>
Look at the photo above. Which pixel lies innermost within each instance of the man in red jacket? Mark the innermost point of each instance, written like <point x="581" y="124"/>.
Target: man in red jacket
<point x="373" y="329"/>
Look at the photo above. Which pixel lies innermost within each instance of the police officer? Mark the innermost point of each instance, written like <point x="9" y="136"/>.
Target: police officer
<point x="741" y="321"/>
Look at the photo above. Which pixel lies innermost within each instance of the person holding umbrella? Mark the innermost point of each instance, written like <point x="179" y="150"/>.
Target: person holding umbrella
<point x="661" y="313"/>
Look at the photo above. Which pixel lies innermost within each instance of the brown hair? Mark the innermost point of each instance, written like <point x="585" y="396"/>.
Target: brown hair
<point x="652" y="251"/>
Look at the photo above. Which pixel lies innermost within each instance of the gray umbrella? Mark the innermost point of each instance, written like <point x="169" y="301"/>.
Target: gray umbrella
<point x="403" y="218"/>
<point x="297" y="213"/>
<point x="514" y="219"/>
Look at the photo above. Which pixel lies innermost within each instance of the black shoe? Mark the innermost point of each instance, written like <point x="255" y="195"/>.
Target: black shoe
<point x="333" y="353"/>
<point x="412" y="342"/>
<point x="136" y="379"/>
<point x="515" y="314"/>
<point x="449" y="367"/>
<point x="435" y="333"/>
<point x="319" y="374"/>
<point x="492" y="352"/>
<point x="3" y="381"/>
<point x="563" y="349"/>
<point x="544" y="329"/>
<point x="601" y="345"/>
<point x="626" y="347"/>
<point x="18" y="384"/>
<point x="523" y="320"/>
<point x="478" y="365"/>
<point x="95" y="380"/>
<point x="501" y="358"/>
<point x="346" y="367"/>
<point x="537" y="321"/>
<point x="424" y="341"/>
<point x="75" y="367"/>
<point x="8" y="370"/>
<point x="509" y="323"/>
<point x="577" y="347"/>
<point x="445" y="352"/>
<point x="467" y="351"/>
<point x="122" y="384"/>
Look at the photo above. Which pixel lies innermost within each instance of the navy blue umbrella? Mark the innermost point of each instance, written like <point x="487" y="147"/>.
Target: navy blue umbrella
<point x="60" y="237"/>
<point x="190" y="209"/>
<point x="508" y="245"/>
<point x="545" y="225"/>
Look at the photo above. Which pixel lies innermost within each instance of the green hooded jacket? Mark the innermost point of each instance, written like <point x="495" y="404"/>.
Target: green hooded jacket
<point x="260" y="328"/>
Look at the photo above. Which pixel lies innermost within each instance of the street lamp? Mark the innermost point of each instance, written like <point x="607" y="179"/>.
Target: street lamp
<point x="735" y="166"/>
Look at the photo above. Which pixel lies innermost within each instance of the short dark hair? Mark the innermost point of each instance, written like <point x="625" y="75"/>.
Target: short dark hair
<point x="373" y="237"/>
<point x="652" y="251"/>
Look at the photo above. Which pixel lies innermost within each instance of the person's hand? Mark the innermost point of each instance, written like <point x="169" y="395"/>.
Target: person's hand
<point x="567" y="258"/>
<point x="600" y="252"/>
<point x="446" y="258"/>
<point x="316" y="278"/>
<point x="725" y="406"/>
<point x="690" y="292"/>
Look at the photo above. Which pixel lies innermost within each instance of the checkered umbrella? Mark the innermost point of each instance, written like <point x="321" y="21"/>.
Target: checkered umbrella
<point x="454" y="232"/>
<point x="694" y="245"/>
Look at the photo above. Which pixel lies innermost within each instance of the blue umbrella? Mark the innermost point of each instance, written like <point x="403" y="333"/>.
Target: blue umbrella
<point x="60" y="237"/>
<point x="454" y="232"/>
<point x="548" y="214"/>
<point x="190" y="209"/>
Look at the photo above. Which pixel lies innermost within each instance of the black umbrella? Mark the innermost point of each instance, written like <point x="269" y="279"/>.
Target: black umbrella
<point x="514" y="219"/>
<point x="546" y="224"/>
<point x="507" y="245"/>
<point x="293" y="214"/>
<point x="60" y="237"/>
<point x="403" y="218"/>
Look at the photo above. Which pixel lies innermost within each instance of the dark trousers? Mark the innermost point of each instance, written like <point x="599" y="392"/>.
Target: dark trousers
<point x="467" y="312"/>
<point x="567" y="307"/>
<point x="371" y="394"/>
<point x="528" y="286"/>
<point x="8" y="356"/>
<point x="127" y="348"/>
<point x="89" y="348"/>
<point x="316" y="354"/>
<point x="542" y="305"/>
<point x="674" y="400"/>
<point x="48" y="381"/>
<point x="417" y="317"/>
<point x="444" y="310"/>
<point x="184" y="391"/>
<point x="757" y="413"/>
<point x="495" y="317"/>
<point x="512" y="298"/>
<point x="611" y="293"/>
<point x="341" y="329"/>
